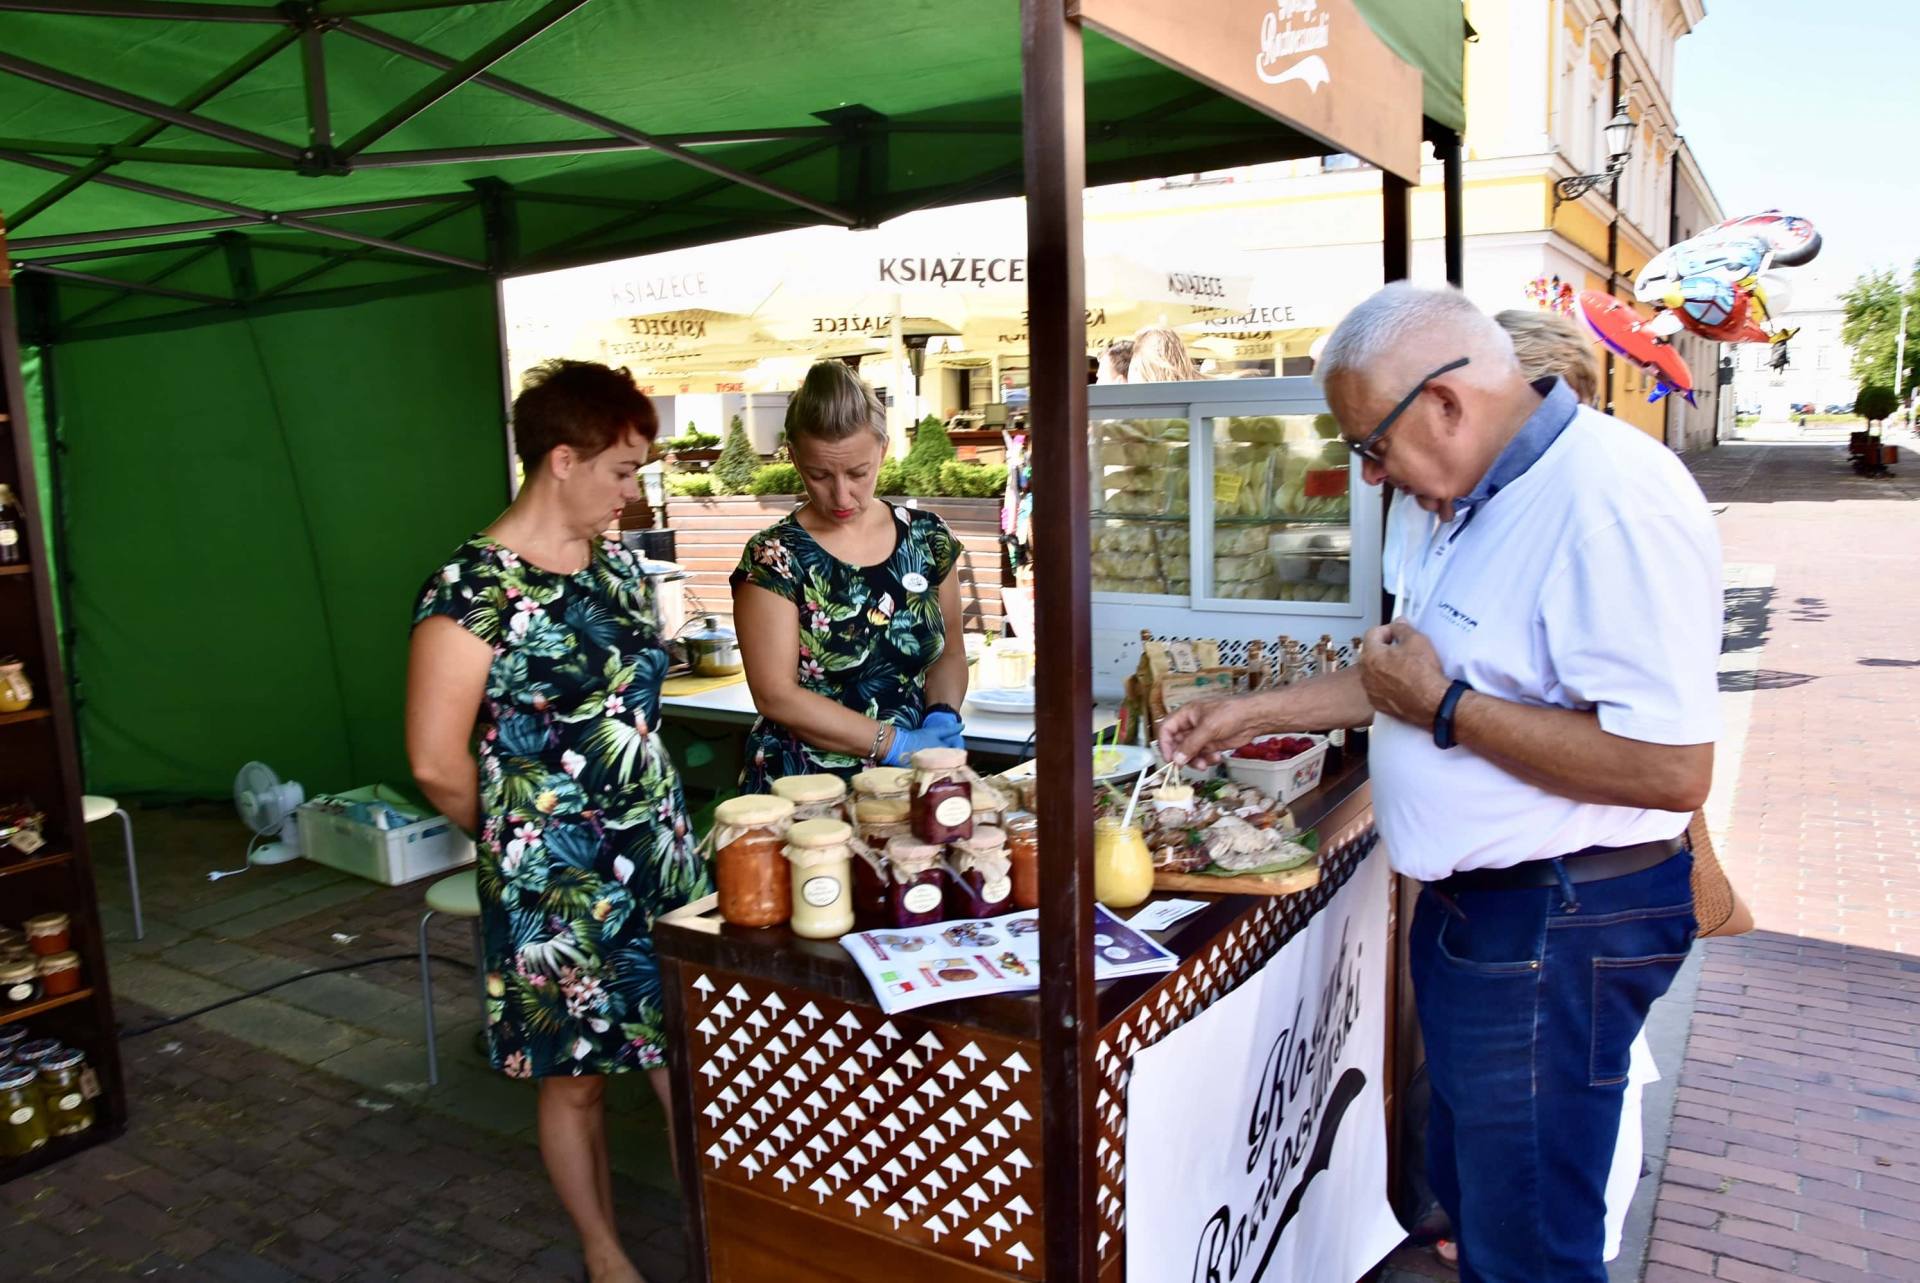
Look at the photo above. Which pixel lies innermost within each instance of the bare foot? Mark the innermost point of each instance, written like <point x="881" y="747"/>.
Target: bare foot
<point x="611" y="1266"/>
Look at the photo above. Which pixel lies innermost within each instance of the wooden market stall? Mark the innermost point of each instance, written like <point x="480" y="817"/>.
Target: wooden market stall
<point x="820" y="1138"/>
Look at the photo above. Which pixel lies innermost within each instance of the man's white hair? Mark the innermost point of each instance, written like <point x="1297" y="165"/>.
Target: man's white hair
<point x="1403" y="313"/>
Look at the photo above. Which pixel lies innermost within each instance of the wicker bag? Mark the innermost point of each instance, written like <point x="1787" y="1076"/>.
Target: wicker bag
<point x="1717" y="906"/>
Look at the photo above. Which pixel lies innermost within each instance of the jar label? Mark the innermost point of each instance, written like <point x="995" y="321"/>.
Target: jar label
<point x="9" y="536"/>
<point x="820" y="892"/>
<point x="21" y="1116"/>
<point x="20" y="993"/>
<point x="924" y="898"/>
<point x="70" y="1101"/>
<point x="997" y="890"/>
<point x="953" y="811"/>
<point x="18" y="686"/>
<point x="26" y="841"/>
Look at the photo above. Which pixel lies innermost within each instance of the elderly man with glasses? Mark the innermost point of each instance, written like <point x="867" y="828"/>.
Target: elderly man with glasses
<point x="1544" y="708"/>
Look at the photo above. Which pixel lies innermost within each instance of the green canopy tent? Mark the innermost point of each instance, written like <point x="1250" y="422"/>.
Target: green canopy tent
<point x="258" y="249"/>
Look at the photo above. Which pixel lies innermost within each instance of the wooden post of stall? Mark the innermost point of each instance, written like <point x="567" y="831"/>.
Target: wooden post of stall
<point x="1396" y="227"/>
<point x="1055" y="132"/>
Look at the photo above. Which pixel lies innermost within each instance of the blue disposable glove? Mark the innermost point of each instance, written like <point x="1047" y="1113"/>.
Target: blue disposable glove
<point x="947" y="723"/>
<point x="906" y="743"/>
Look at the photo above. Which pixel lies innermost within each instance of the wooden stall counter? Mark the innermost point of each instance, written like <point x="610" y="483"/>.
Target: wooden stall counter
<point x="821" y="1139"/>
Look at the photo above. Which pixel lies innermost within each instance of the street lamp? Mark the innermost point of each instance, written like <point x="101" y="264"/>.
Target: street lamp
<point x="1618" y="133"/>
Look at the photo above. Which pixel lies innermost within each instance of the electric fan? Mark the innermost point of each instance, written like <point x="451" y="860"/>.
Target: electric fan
<point x="267" y="806"/>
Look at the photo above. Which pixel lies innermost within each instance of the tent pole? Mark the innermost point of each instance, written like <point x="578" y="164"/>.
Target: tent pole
<point x="1454" y="201"/>
<point x="1396" y="227"/>
<point x="167" y="10"/>
<point x="1053" y="94"/>
<point x="93" y="89"/>
<point x="204" y="251"/>
<point x="124" y="287"/>
<point x="506" y="384"/>
<point x="147" y="133"/>
<point x="313" y="71"/>
<point x="533" y="97"/>
<point x="527" y="29"/>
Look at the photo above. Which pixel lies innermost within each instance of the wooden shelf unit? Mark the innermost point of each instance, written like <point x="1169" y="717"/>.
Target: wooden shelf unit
<point x="42" y="765"/>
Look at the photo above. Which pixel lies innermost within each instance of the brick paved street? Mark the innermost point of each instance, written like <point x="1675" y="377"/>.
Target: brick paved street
<point x="1795" y="1151"/>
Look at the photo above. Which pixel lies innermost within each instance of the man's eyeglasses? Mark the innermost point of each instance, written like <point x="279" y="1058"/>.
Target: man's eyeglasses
<point x="1368" y="447"/>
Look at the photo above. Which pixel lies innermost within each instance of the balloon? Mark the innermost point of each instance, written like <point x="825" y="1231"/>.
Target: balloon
<point x="1718" y="284"/>
<point x="1623" y="330"/>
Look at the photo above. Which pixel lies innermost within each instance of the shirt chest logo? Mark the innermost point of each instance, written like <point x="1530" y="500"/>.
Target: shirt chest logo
<point x="1454" y="615"/>
<point x="913" y="581"/>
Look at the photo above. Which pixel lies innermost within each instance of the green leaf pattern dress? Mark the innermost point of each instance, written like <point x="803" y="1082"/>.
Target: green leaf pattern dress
<point x="868" y="634"/>
<point x="584" y="837"/>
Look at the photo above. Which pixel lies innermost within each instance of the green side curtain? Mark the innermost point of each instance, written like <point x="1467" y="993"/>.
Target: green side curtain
<point x="34" y="392"/>
<point x="251" y="506"/>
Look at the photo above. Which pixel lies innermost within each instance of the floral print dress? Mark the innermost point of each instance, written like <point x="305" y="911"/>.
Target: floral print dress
<point x="868" y="634"/>
<point x="583" y="837"/>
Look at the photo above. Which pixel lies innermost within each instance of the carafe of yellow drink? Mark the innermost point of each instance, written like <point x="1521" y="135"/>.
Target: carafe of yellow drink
<point x="1122" y="865"/>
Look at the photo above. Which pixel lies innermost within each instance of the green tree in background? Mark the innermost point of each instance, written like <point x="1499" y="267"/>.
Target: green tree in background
<point x="1872" y="325"/>
<point x="733" y="471"/>
<point x="1875" y="402"/>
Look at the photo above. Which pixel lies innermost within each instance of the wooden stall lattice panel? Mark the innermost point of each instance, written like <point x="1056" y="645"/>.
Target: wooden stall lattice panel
<point x="1209" y="975"/>
<point x="921" y="1131"/>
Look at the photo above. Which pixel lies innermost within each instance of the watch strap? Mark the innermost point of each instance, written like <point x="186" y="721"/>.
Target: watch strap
<point x="1443" y="717"/>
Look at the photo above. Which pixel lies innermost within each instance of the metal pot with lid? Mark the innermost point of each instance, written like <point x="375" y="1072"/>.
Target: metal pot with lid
<point x="712" y="651"/>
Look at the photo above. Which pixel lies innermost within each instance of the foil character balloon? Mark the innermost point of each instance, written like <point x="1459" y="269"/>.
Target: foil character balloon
<point x="1635" y="339"/>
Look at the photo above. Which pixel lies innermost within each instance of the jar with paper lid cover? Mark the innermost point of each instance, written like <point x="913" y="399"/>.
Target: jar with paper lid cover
<point x="750" y="869"/>
<point x="49" y="933"/>
<point x="984" y="885"/>
<point x="814" y="797"/>
<point x="942" y="795"/>
<point x="916" y="894"/>
<point x="19" y="985"/>
<point x="60" y="974"/>
<point x="883" y="782"/>
<point x="822" y="878"/>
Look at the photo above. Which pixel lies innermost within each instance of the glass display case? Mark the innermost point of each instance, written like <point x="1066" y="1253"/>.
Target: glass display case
<point x="1228" y="509"/>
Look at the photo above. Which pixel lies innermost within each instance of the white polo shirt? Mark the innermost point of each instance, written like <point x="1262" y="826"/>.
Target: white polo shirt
<point x="1590" y="581"/>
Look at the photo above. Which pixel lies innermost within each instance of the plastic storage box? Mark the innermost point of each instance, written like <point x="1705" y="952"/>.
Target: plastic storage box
<point x="1282" y="781"/>
<point x="332" y="835"/>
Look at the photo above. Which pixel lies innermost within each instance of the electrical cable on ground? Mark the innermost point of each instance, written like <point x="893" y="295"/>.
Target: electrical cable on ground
<point x="228" y="1001"/>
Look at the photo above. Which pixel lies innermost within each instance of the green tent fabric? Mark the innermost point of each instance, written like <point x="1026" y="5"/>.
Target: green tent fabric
<point x="253" y="508"/>
<point x="34" y="387"/>
<point x="273" y="420"/>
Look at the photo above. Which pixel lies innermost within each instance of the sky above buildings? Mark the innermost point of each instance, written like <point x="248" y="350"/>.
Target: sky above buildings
<point x="1814" y="109"/>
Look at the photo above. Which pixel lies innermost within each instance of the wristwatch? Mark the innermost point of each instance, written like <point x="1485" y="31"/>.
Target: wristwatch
<point x="1443" y="718"/>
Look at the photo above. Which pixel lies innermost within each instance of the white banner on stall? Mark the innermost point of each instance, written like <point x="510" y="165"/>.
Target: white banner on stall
<point x="1256" y="1133"/>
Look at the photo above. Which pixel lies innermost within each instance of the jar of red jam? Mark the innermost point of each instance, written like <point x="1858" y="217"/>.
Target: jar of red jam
<point x="814" y="797"/>
<point x="60" y="974"/>
<point x="49" y="933"/>
<point x="942" y="795"/>
<point x="984" y="885"/>
<point x="877" y="821"/>
<point x="750" y="868"/>
<point x="916" y="894"/>
<point x="1023" y="854"/>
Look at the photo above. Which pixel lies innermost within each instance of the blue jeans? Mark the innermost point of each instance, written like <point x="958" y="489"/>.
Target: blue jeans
<point x="1529" y="1000"/>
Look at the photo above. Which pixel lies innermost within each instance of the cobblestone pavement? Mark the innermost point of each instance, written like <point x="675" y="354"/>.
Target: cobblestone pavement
<point x="244" y="1166"/>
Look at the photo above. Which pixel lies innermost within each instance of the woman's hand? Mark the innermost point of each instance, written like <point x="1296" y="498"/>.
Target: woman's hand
<point x="906" y="743"/>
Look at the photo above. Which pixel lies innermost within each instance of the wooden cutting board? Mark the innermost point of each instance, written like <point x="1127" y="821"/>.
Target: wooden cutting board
<point x="1303" y="878"/>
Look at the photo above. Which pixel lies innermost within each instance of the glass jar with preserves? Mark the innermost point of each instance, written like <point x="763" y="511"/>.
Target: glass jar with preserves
<point x="883" y="782"/>
<point x="16" y="692"/>
<point x="35" y="1050"/>
<point x="822" y="878"/>
<point x="63" y="1097"/>
<point x="1023" y="855"/>
<point x="19" y="985"/>
<point x="917" y="893"/>
<point x="1122" y="865"/>
<point x="942" y="795"/>
<point x="49" y="933"/>
<point x="750" y="869"/>
<point x="991" y="802"/>
<point x="60" y="974"/>
<point x="11" y="1036"/>
<point x="814" y="797"/>
<point x="877" y="821"/>
<point x="983" y="885"/>
<point x="23" y="1126"/>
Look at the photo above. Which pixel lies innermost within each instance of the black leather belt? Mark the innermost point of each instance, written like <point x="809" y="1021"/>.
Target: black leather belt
<point x="1594" y="864"/>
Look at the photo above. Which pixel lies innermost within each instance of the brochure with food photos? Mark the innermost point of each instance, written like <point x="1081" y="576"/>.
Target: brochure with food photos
<point x="911" y="967"/>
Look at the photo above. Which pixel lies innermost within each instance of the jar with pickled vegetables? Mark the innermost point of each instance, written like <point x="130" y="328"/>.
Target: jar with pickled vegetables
<point x="822" y="878"/>
<point x="33" y="1051"/>
<point x="23" y="1125"/>
<point x="942" y="795"/>
<point x="63" y="1097"/>
<point x="983" y="887"/>
<point x="814" y="797"/>
<point x="917" y="893"/>
<point x="1023" y="856"/>
<point x="750" y="869"/>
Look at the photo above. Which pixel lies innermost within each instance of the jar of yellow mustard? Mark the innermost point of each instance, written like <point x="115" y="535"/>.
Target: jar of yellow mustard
<point x="1122" y="865"/>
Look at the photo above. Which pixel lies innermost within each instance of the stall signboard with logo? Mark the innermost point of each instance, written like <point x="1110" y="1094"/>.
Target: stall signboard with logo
<point x="1314" y="64"/>
<point x="1256" y="1133"/>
